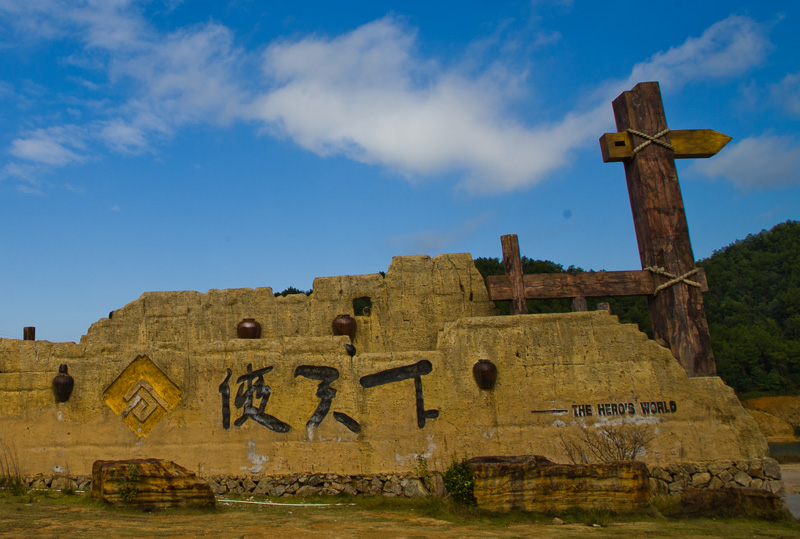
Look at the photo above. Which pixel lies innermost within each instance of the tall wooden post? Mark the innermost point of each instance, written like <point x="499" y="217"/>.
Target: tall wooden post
<point x="513" y="266"/>
<point x="662" y="233"/>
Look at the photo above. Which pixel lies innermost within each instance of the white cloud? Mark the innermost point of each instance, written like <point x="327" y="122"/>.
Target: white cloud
<point x="767" y="161"/>
<point x="158" y="82"/>
<point x="727" y="48"/>
<point x="49" y="146"/>
<point x="786" y="93"/>
<point x="367" y="94"/>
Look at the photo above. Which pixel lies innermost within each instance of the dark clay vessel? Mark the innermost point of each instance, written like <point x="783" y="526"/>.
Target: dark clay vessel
<point x="63" y="384"/>
<point x="344" y="324"/>
<point x="485" y="373"/>
<point x="248" y="329"/>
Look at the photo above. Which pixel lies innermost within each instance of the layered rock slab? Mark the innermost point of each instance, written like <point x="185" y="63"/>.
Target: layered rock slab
<point x="148" y="484"/>
<point x="534" y="483"/>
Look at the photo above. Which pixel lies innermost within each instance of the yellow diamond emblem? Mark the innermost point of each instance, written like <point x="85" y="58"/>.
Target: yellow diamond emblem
<point x="142" y="395"/>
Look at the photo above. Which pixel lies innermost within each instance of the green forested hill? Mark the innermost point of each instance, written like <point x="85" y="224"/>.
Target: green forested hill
<point x="753" y="308"/>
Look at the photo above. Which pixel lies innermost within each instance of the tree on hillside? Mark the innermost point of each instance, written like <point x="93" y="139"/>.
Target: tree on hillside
<point x="752" y="306"/>
<point x="753" y="310"/>
<point x="631" y="310"/>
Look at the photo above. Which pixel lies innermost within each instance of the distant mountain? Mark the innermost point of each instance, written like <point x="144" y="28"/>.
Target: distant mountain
<point x="753" y="308"/>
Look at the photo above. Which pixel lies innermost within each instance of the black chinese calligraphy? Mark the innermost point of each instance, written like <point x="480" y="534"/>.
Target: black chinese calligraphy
<point x="326" y="376"/>
<point x="251" y="388"/>
<point x="398" y="374"/>
<point x="225" y="391"/>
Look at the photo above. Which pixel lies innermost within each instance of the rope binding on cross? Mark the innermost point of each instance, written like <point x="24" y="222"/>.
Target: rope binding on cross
<point x="673" y="279"/>
<point x="650" y="140"/>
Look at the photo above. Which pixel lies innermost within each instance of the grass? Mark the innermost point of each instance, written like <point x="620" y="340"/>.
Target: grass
<point x="10" y="472"/>
<point x="44" y="514"/>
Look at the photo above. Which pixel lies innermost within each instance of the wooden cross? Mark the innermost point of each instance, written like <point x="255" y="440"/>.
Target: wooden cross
<point x="674" y="285"/>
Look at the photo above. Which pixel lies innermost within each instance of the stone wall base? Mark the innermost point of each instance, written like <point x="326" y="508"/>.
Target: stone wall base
<point x="387" y="485"/>
<point x="762" y="474"/>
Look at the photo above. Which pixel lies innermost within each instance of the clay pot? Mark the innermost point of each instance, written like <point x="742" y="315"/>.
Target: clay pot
<point x="63" y="384"/>
<point x="248" y="329"/>
<point x="344" y="324"/>
<point x="485" y="373"/>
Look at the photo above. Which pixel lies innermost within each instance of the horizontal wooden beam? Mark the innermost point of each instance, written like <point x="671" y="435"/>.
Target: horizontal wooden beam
<point x="590" y="284"/>
<point x="688" y="143"/>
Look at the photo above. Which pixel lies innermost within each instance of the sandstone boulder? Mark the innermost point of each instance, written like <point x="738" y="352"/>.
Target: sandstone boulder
<point x="148" y="484"/>
<point x="533" y="483"/>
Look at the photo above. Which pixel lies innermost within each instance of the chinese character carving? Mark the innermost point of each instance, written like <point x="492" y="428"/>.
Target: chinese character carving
<point x="251" y="388"/>
<point x="398" y="374"/>
<point x="326" y="376"/>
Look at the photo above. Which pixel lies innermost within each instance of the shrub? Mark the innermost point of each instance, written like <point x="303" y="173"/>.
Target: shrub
<point x="460" y="482"/>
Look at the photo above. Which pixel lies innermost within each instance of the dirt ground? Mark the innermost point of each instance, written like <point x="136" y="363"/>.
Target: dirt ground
<point x="791" y="478"/>
<point x="43" y="519"/>
<point x="40" y="516"/>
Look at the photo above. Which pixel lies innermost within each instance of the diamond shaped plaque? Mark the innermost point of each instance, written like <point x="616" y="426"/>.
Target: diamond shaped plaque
<point x="142" y="395"/>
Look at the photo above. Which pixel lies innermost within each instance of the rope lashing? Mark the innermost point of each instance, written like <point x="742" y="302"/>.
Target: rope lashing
<point x="673" y="279"/>
<point x="649" y="140"/>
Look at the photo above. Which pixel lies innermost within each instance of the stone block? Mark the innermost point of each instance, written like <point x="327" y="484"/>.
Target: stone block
<point x="700" y="479"/>
<point x="148" y="484"/>
<point x="771" y="468"/>
<point x="725" y="477"/>
<point x="314" y="480"/>
<point x="756" y="469"/>
<point x="676" y="487"/>
<point x="217" y="488"/>
<point x="414" y="489"/>
<point x="232" y="485"/>
<point x="263" y="487"/>
<point x="715" y="483"/>
<point x="660" y="473"/>
<point x="704" y="502"/>
<point x="63" y="483"/>
<point x="248" y="485"/>
<point x="533" y="483"/>
<point x="306" y="490"/>
<point x="437" y="485"/>
<point x="742" y="479"/>
<point x="278" y="491"/>
<point x="716" y="468"/>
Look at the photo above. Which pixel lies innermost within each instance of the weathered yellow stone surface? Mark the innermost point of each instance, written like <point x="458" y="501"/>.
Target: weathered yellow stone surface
<point x="295" y="402"/>
<point x="148" y="484"/>
<point x="533" y="483"/>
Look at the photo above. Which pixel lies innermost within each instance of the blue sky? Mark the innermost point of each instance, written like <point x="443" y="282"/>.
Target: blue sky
<point x="190" y="145"/>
